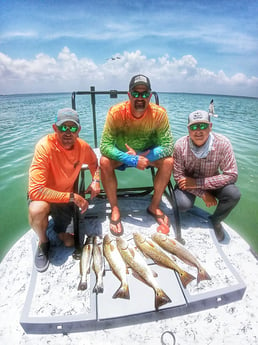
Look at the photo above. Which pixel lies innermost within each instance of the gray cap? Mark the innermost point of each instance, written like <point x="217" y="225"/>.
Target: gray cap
<point x="67" y="114"/>
<point x="139" y="79"/>
<point x="198" y="116"/>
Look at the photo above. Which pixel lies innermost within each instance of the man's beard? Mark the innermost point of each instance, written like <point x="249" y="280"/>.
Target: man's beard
<point x="139" y="105"/>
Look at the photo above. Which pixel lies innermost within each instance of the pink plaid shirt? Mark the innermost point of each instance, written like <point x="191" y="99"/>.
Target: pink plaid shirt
<point x="218" y="169"/>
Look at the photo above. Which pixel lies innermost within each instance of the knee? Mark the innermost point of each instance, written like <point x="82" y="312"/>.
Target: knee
<point x="183" y="202"/>
<point x="169" y="161"/>
<point x="232" y="193"/>
<point x="105" y="163"/>
<point x="184" y="206"/>
<point x="38" y="211"/>
<point x="166" y="163"/>
<point x="237" y="195"/>
<point x="67" y="239"/>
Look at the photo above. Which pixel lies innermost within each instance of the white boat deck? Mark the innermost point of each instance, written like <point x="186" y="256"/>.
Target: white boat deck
<point x="47" y="308"/>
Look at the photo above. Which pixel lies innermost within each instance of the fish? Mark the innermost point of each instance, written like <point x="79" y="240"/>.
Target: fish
<point x="98" y="265"/>
<point x="152" y="250"/>
<point x="140" y="268"/>
<point x="85" y="262"/>
<point x="174" y="247"/>
<point x="117" y="266"/>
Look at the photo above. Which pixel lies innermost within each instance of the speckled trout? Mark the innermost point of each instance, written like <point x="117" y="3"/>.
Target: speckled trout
<point x="117" y="266"/>
<point x="98" y="265"/>
<point x="139" y="266"/>
<point x="85" y="263"/>
<point x="173" y="246"/>
<point x="152" y="250"/>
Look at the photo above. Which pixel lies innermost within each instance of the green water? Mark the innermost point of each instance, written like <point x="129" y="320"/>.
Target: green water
<point x="26" y="118"/>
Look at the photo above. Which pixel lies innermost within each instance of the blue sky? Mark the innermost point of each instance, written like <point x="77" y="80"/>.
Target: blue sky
<point x="183" y="46"/>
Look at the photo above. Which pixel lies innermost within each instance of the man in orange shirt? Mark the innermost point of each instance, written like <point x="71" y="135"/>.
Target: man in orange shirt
<point x="57" y="161"/>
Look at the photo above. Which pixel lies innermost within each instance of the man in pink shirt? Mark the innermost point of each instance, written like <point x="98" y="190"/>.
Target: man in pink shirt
<point x="205" y="166"/>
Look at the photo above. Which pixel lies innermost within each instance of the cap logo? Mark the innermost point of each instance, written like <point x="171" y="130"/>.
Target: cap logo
<point x="141" y="78"/>
<point x="197" y="116"/>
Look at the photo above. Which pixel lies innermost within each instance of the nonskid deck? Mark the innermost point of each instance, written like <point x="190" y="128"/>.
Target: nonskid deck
<point x="54" y="305"/>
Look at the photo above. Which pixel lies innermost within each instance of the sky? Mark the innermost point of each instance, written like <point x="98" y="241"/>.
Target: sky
<point x="194" y="46"/>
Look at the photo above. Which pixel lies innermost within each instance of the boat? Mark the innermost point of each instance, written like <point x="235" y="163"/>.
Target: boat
<point x="48" y="307"/>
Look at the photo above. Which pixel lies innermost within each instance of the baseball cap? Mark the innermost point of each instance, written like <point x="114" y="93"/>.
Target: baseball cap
<point x="139" y="79"/>
<point x="67" y="114"/>
<point x="198" y="116"/>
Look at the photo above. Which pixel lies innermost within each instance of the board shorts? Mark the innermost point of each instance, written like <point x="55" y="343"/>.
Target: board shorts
<point x="62" y="215"/>
<point x="125" y="166"/>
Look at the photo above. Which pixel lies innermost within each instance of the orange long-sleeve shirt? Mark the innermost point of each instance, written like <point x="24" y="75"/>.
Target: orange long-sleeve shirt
<point x="53" y="170"/>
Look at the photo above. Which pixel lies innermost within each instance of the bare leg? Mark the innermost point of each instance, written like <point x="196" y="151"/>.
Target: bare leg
<point x="165" y="167"/>
<point x="109" y="181"/>
<point x="38" y="219"/>
<point x="68" y="239"/>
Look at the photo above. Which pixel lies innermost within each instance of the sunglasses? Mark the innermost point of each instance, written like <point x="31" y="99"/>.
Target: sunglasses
<point x="143" y="94"/>
<point x="200" y="126"/>
<point x="64" y="128"/>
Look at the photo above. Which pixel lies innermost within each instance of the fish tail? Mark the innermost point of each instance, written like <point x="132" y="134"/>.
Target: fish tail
<point x="122" y="292"/>
<point x="161" y="298"/>
<point x="82" y="285"/>
<point x="98" y="288"/>
<point x="186" y="278"/>
<point x="202" y="275"/>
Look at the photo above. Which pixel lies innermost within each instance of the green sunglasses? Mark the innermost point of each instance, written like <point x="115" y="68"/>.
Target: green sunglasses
<point x="64" y="128"/>
<point x="137" y="94"/>
<point x="200" y="126"/>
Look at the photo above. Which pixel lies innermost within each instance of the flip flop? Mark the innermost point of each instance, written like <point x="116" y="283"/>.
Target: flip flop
<point x="116" y="222"/>
<point x="158" y="217"/>
<point x="163" y="229"/>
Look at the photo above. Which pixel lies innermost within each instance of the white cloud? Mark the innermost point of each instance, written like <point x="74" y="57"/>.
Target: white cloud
<point x="67" y="72"/>
<point x="18" y="34"/>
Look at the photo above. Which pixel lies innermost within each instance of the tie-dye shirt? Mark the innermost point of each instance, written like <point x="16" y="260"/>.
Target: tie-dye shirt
<point x="150" y="132"/>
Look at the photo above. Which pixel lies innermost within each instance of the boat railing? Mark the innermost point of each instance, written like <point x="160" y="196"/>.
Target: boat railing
<point x="121" y="192"/>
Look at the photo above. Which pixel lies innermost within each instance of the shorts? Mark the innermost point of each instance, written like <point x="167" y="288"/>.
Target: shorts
<point x="125" y="166"/>
<point x="62" y="215"/>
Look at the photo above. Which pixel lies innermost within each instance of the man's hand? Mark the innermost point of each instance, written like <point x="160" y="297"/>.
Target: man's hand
<point x="209" y="199"/>
<point x="143" y="162"/>
<point x="93" y="189"/>
<point x="130" y="151"/>
<point x="81" y="202"/>
<point x="187" y="183"/>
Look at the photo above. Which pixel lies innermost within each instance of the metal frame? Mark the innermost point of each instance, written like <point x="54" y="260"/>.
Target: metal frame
<point x="140" y="191"/>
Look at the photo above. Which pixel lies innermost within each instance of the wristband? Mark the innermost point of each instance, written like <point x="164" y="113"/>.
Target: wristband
<point x="71" y="197"/>
<point x="95" y="180"/>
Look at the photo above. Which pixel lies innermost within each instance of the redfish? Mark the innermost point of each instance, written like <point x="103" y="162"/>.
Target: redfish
<point x="153" y="251"/>
<point x="85" y="263"/>
<point x="98" y="265"/>
<point x="117" y="266"/>
<point x="140" y="268"/>
<point x="174" y="247"/>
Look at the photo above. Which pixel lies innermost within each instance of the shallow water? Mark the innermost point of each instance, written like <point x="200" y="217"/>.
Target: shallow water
<point x="26" y="118"/>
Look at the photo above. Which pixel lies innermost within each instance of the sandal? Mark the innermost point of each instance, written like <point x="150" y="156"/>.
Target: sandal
<point x="163" y="229"/>
<point x="116" y="222"/>
<point x="158" y="217"/>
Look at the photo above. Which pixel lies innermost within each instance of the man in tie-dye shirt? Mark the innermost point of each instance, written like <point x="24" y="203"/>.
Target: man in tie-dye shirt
<point x="136" y="134"/>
